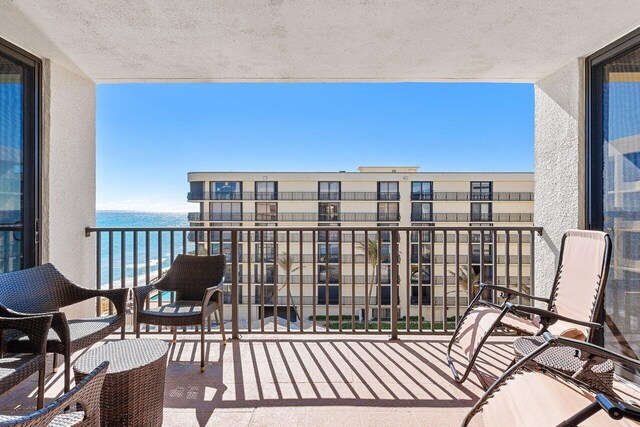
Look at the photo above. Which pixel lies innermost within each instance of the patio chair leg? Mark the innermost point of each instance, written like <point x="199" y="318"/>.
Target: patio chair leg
<point x="221" y="323"/>
<point x="55" y="362"/>
<point x="137" y="326"/>
<point x="202" y="356"/>
<point x="175" y="334"/>
<point x="122" y="331"/>
<point x="41" y="375"/>
<point x="67" y="373"/>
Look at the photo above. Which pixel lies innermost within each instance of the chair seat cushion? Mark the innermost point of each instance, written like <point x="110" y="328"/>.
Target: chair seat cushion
<point x="178" y="309"/>
<point x="479" y="321"/>
<point x="16" y="367"/>
<point x="535" y="399"/>
<point x="62" y="420"/>
<point x="80" y="330"/>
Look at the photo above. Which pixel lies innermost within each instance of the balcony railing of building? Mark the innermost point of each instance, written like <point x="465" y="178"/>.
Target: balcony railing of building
<point x="310" y="292"/>
<point x="360" y="196"/>
<point x="357" y="217"/>
<point x="294" y="217"/>
<point x="352" y="196"/>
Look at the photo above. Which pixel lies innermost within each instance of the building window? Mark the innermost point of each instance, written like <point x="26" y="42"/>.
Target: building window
<point x="266" y="190"/>
<point x="481" y="212"/>
<point x="269" y="252"/>
<point x="422" y="190"/>
<point x="266" y="211"/>
<point x="328" y="212"/>
<point x="419" y="281"/>
<point x="388" y="212"/>
<point x="226" y="211"/>
<point x="481" y="190"/>
<point x="226" y="190"/>
<point x="329" y="190"/>
<point x="388" y="190"/>
<point x="328" y="252"/>
<point x="19" y="166"/>
<point x="421" y="211"/>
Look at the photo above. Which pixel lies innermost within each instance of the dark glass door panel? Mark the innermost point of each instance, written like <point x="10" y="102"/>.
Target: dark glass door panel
<point x="18" y="171"/>
<point x="615" y="185"/>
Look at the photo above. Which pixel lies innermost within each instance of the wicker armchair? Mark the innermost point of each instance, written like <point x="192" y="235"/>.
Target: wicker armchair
<point x="15" y="368"/>
<point x="86" y="395"/>
<point x="197" y="282"/>
<point x="45" y="290"/>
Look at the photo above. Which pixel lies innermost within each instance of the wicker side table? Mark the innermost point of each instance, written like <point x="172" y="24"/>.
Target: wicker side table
<point x="565" y="360"/>
<point x="133" y="390"/>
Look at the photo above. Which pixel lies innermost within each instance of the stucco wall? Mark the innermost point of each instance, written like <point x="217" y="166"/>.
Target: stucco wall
<point x="69" y="175"/>
<point x="559" y="161"/>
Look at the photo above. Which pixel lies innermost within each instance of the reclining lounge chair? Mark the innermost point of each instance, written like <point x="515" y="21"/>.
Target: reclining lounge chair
<point x="572" y="308"/>
<point x="535" y="398"/>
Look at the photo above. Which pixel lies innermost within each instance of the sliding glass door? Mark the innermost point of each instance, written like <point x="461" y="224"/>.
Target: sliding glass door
<point x="19" y="140"/>
<point x="614" y="182"/>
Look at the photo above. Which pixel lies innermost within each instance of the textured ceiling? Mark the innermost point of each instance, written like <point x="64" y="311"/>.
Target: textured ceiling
<point x="313" y="40"/>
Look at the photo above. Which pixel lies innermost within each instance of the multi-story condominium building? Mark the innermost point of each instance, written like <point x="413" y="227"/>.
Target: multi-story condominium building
<point x="333" y="266"/>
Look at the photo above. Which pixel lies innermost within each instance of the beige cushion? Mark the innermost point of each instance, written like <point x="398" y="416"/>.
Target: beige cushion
<point x="535" y="399"/>
<point x="479" y="321"/>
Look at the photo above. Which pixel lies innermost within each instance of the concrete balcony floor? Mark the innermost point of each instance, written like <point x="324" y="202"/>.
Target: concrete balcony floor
<point x="313" y="380"/>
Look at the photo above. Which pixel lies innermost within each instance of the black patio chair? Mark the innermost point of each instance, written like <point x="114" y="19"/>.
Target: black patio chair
<point x="197" y="282"/>
<point x="44" y="290"/>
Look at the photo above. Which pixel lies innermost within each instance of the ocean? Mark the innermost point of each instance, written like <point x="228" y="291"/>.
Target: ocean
<point x="120" y="219"/>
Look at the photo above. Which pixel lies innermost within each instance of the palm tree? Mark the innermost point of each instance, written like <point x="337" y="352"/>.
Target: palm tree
<point x="370" y="248"/>
<point x="467" y="280"/>
<point x="284" y="262"/>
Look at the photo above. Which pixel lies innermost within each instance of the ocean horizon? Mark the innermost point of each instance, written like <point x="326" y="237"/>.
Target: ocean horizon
<point x="123" y="219"/>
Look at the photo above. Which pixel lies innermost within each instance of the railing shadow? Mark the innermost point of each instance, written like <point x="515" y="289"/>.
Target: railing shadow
<point x="316" y="372"/>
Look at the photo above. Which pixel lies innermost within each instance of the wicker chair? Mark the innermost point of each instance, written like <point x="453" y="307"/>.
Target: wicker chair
<point x="572" y="308"/>
<point x="548" y="398"/>
<point x="45" y="290"/>
<point x="197" y="282"/>
<point x="86" y="395"/>
<point x="15" y="368"/>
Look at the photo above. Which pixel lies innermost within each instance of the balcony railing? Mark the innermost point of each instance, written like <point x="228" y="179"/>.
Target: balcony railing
<point x="365" y="196"/>
<point x="357" y="217"/>
<point x="352" y="196"/>
<point x="311" y="292"/>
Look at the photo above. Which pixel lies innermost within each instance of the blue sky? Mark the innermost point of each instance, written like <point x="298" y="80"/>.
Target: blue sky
<point x="150" y="135"/>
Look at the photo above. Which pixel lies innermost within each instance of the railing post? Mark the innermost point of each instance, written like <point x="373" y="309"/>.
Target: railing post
<point x="234" y="285"/>
<point x="394" y="285"/>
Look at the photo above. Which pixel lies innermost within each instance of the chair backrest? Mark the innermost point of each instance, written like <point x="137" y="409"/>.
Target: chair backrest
<point x="190" y="275"/>
<point x="86" y="394"/>
<point x="37" y="290"/>
<point x="581" y="277"/>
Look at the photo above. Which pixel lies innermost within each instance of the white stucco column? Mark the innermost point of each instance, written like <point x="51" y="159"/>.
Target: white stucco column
<point x="559" y="165"/>
<point x="69" y="176"/>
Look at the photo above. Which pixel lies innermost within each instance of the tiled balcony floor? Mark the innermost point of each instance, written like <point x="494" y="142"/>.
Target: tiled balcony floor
<point x="313" y="380"/>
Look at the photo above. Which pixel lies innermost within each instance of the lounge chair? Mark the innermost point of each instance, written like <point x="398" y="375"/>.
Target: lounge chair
<point x="572" y="308"/>
<point x="197" y="282"/>
<point x="17" y="367"/>
<point x="535" y="398"/>
<point x="44" y="290"/>
<point x="85" y="395"/>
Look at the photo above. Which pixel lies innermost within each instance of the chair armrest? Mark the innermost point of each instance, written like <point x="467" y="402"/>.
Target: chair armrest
<point x="118" y="297"/>
<point x="617" y="409"/>
<point x="592" y="349"/>
<point x="511" y="292"/>
<point x="550" y="317"/>
<point x="140" y="294"/>
<point x="86" y="394"/>
<point x="59" y="321"/>
<point x="34" y="327"/>
<point x="209" y="292"/>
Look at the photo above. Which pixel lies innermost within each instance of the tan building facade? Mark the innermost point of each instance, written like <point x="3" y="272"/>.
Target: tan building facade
<point x="333" y="270"/>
